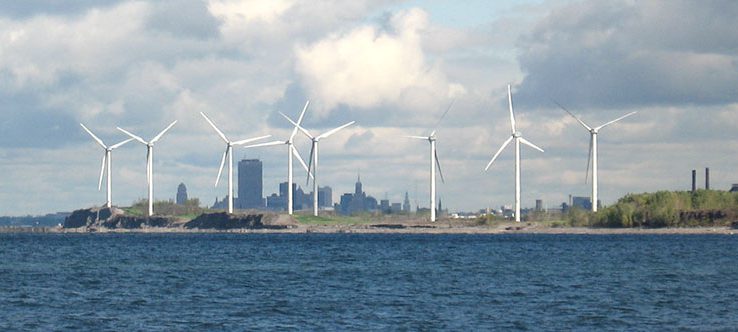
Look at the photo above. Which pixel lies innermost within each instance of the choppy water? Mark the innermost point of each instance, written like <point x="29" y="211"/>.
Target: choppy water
<point x="367" y="282"/>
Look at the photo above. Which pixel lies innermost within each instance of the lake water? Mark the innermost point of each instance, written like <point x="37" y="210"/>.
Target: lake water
<point x="367" y="282"/>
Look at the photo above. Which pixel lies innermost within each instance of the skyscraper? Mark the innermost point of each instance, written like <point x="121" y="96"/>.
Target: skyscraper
<point x="250" y="185"/>
<point x="181" y="194"/>
<point x="325" y="196"/>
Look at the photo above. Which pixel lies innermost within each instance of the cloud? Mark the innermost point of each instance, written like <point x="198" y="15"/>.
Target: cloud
<point x="631" y="54"/>
<point x="367" y="67"/>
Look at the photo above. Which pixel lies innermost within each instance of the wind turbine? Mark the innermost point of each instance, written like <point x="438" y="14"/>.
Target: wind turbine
<point x="313" y="163"/>
<point x="290" y="152"/>
<point x="229" y="154"/>
<point x="106" y="164"/>
<point x="518" y="138"/>
<point x="433" y="164"/>
<point x="149" y="161"/>
<point x="592" y="154"/>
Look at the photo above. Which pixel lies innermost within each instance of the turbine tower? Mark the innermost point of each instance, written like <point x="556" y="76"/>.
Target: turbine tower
<point x="518" y="138"/>
<point x="106" y="164"/>
<point x="434" y="162"/>
<point x="290" y="152"/>
<point x="149" y="161"/>
<point x="313" y="163"/>
<point x="229" y="154"/>
<point x="592" y="154"/>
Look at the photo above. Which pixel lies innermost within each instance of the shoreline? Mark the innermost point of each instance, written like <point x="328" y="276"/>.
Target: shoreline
<point x="391" y="229"/>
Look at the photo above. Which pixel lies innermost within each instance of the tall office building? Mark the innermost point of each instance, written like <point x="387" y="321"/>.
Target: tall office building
<point x="325" y="196"/>
<point x="181" y="194"/>
<point x="250" y="185"/>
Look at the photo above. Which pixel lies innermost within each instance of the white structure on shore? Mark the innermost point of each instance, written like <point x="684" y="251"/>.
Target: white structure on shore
<point x="291" y="151"/>
<point x="106" y="164"/>
<point x="149" y="161"/>
<point x="313" y="163"/>
<point x="228" y="153"/>
<point x="518" y="138"/>
<point x="434" y="162"/>
<point x="592" y="154"/>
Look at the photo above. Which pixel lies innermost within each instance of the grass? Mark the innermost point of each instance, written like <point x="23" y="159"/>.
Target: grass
<point x="306" y="219"/>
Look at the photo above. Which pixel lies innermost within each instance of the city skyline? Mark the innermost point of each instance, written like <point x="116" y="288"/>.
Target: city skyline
<point x="138" y="65"/>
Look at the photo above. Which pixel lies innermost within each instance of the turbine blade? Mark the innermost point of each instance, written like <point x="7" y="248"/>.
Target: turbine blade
<point x="302" y="162"/>
<point x="132" y="136"/>
<point x="573" y="116"/>
<point x="616" y="120"/>
<point x="303" y="130"/>
<point x="509" y="139"/>
<point x="310" y="164"/>
<point x="299" y="121"/>
<point x="220" y="133"/>
<point x="120" y="144"/>
<point x="528" y="143"/>
<point x="99" y="141"/>
<point x="589" y="157"/>
<point x="509" y="103"/>
<point x="102" y="171"/>
<point x="335" y="130"/>
<point x="443" y="116"/>
<point x="222" y="164"/>
<point x="438" y="164"/>
<point x="248" y="140"/>
<point x="418" y="137"/>
<point x="157" y="137"/>
<point x="264" y="144"/>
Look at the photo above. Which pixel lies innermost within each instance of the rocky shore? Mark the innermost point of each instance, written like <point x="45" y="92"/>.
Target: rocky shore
<point x="112" y="219"/>
<point x="117" y="221"/>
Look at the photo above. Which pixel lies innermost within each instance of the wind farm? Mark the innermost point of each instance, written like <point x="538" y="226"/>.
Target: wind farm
<point x="433" y="176"/>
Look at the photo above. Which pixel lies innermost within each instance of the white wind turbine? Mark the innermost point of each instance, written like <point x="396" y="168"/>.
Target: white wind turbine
<point x="313" y="163"/>
<point x="592" y="154"/>
<point x="518" y="137"/>
<point x="434" y="162"/>
<point x="290" y="152"/>
<point x="106" y="164"/>
<point x="149" y="161"/>
<point x="229" y="154"/>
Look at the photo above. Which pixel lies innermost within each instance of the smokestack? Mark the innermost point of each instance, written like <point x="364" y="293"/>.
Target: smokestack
<point x="694" y="180"/>
<point x="707" y="178"/>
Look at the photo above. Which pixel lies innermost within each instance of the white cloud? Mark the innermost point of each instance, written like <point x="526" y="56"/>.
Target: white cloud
<point x="367" y="67"/>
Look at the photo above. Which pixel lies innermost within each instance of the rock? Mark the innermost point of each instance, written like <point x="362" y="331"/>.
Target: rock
<point x="223" y="221"/>
<point x="112" y="218"/>
<point x="89" y="217"/>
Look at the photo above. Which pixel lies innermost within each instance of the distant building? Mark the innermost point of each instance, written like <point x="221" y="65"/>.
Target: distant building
<point x="406" y="204"/>
<point x="181" y="194"/>
<point x="539" y="205"/>
<point x="358" y="201"/>
<point x="384" y="206"/>
<point x="584" y="203"/>
<point x="396" y="208"/>
<point x="250" y="185"/>
<point x="325" y="196"/>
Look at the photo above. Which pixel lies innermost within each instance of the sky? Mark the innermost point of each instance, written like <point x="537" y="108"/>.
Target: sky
<point x="392" y="66"/>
